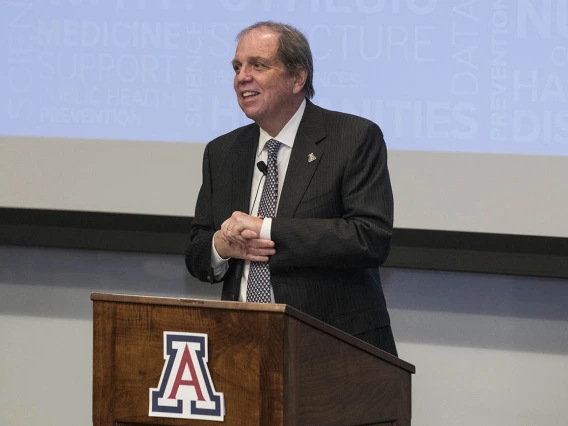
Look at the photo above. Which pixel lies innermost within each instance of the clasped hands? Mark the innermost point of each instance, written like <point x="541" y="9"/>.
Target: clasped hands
<point x="239" y="238"/>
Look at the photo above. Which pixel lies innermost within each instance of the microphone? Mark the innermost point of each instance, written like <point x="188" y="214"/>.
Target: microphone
<point x="261" y="165"/>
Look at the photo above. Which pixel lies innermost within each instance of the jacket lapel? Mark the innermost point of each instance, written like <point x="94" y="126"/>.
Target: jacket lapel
<point x="304" y="159"/>
<point x="243" y="164"/>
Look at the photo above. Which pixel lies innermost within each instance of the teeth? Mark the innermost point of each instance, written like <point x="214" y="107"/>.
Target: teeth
<point x="247" y="94"/>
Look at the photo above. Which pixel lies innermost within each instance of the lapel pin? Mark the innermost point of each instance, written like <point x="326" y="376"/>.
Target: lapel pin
<point x="311" y="157"/>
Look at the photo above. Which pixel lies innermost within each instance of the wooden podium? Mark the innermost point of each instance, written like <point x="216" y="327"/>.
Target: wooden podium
<point x="273" y="364"/>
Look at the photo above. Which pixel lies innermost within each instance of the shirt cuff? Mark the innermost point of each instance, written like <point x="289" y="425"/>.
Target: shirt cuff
<point x="265" y="229"/>
<point x="218" y="264"/>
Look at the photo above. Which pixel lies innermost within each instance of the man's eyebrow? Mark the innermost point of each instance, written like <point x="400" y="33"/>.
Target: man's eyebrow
<point x="254" y="59"/>
<point x="250" y="59"/>
<point x="260" y="59"/>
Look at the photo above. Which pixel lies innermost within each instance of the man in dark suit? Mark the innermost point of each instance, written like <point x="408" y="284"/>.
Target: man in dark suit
<point x="329" y="180"/>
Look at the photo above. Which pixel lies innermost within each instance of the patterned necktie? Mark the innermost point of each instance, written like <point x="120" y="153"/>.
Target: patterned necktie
<point x="258" y="285"/>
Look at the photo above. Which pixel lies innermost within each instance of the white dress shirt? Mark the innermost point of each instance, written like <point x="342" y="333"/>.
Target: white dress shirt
<point x="286" y="138"/>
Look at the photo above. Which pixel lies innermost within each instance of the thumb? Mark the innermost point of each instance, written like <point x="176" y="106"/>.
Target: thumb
<point x="249" y="235"/>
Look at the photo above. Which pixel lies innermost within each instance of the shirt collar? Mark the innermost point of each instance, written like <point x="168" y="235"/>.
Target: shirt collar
<point x="287" y="134"/>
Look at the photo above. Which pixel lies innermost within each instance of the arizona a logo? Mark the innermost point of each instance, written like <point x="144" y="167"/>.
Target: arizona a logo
<point x="185" y="390"/>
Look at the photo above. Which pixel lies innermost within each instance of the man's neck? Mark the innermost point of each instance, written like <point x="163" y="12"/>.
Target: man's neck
<point x="274" y="128"/>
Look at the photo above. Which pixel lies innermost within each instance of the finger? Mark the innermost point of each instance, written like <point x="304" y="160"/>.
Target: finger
<point x="226" y="228"/>
<point x="234" y="230"/>
<point x="234" y="241"/>
<point x="229" y="230"/>
<point x="235" y="234"/>
<point x="257" y="258"/>
<point x="260" y="243"/>
<point x="243" y="221"/>
<point x="249" y="235"/>
<point x="263" y="252"/>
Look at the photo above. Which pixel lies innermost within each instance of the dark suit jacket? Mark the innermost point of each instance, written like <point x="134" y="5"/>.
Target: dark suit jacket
<point x="334" y="220"/>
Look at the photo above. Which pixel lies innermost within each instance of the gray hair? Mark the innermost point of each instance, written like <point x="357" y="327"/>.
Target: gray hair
<point x="293" y="50"/>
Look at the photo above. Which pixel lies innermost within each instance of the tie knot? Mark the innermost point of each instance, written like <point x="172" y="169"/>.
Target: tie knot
<point x="272" y="146"/>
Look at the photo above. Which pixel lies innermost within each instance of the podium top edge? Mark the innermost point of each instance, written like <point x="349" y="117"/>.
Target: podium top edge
<point x="187" y="302"/>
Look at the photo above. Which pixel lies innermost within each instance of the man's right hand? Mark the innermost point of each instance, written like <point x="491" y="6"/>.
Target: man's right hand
<point x="256" y="249"/>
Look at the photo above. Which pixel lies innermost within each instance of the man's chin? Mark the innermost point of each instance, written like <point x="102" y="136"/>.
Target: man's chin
<point x="251" y="113"/>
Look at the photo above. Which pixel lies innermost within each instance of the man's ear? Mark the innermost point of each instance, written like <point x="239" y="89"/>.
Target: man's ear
<point x="300" y="81"/>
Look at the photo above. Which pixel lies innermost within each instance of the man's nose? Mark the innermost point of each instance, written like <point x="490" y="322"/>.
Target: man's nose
<point x="243" y="75"/>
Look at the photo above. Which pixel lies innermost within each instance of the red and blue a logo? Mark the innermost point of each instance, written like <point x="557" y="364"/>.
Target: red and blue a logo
<point x="185" y="390"/>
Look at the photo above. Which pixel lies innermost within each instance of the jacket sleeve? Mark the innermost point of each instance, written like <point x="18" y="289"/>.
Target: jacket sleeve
<point x="198" y="253"/>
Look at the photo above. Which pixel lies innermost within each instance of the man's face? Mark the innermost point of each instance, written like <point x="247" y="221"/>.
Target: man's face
<point x="266" y="92"/>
